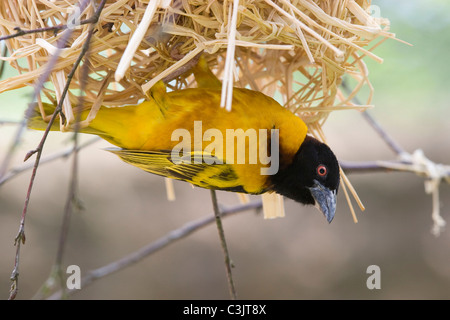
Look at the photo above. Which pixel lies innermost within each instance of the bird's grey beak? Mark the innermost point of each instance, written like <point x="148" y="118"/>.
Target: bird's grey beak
<point x="325" y="200"/>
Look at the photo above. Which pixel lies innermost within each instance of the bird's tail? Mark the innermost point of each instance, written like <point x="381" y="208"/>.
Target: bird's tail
<point x="37" y="122"/>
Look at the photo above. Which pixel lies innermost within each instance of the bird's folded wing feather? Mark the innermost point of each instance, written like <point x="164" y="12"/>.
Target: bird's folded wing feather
<point x="200" y="169"/>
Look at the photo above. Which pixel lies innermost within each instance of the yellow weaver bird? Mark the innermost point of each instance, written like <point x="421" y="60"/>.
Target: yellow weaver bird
<point x="149" y="136"/>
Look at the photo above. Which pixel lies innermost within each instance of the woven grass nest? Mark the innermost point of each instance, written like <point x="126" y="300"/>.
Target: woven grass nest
<point x="296" y="51"/>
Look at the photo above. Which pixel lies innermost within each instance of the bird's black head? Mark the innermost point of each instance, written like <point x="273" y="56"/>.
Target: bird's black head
<point x="312" y="177"/>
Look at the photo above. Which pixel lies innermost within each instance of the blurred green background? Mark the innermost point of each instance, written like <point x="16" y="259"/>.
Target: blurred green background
<point x="297" y="257"/>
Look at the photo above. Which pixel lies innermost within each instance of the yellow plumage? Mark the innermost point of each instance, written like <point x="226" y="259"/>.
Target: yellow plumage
<point x="144" y="133"/>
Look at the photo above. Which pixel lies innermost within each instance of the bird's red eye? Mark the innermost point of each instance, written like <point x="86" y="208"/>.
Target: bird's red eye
<point x="322" y="170"/>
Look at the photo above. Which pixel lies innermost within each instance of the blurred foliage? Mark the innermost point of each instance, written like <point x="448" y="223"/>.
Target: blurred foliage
<point x="13" y="103"/>
<point x="414" y="77"/>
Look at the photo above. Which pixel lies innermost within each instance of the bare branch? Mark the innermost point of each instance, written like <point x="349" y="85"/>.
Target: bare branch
<point x="390" y="166"/>
<point x="415" y="162"/>
<point x="20" y="238"/>
<point x="20" y="32"/>
<point x="72" y="196"/>
<point x="223" y="244"/>
<point x="364" y="167"/>
<point x="157" y="245"/>
<point x="383" y="134"/>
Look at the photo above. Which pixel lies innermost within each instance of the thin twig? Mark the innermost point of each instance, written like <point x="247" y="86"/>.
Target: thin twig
<point x="55" y="29"/>
<point x="383" y="134"/>
<point x="223" y="243"/>
<point x="20" y="238"/>
<point x="365" y="166"/>
<point x="72" y="196"/>
<point x="416" y="163"/>
<point x="188" y="66"/>
<point x="388" y="166"/>
<point x="159" y="244"/>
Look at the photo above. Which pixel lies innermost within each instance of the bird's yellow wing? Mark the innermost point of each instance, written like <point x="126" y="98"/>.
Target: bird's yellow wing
<point x="203" y="170"/>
